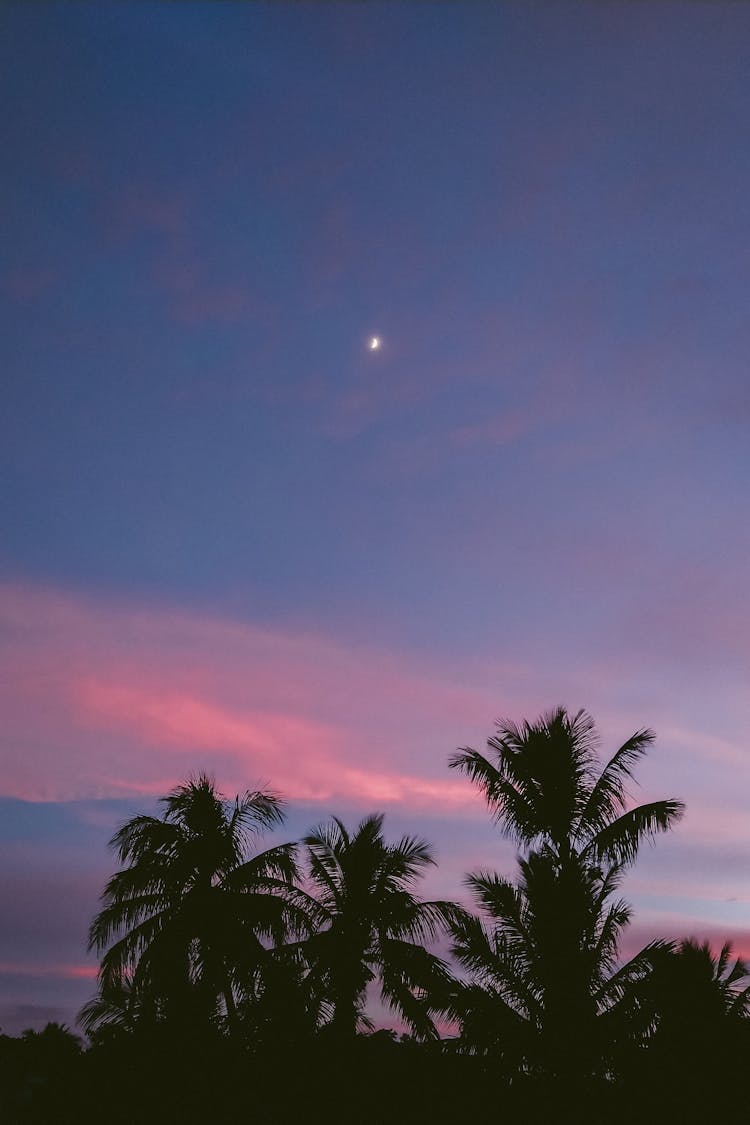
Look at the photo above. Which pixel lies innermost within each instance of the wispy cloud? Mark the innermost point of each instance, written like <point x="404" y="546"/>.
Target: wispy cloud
<point x="25" y="285"/>
<point x="35" y="969"/>
<point x="678" y="927"/>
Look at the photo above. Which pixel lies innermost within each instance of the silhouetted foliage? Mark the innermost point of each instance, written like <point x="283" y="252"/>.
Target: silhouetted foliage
<point x="39" y="1071"/>
<point x="191" y="915"/>
<point x="697" y="1054"/>
<point x="545" y="789"/>
<point x="545" y="987"/>
<point x="233" y="985"/>
<point x="375" y="930"/>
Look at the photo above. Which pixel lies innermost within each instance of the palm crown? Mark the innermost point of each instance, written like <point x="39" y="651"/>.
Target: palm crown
<point x="374" y="925"/>
<point x="545" y="788"/>
<point x="191" y="916"/>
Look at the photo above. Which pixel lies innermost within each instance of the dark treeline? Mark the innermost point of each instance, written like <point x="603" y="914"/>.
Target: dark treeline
<point x="234" y="980"/>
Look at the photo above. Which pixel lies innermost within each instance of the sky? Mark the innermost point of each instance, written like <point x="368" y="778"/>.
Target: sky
<point x="236" y="539"/>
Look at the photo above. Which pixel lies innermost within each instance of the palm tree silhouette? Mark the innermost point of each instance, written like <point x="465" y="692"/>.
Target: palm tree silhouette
<point x="696" y="994"/>
<point x="190" y="914"/>
<point x="375" y="927"/>
<point x="545" y="789"/>
<point x="696" y="1062"/>
<point x="544" y="979"/>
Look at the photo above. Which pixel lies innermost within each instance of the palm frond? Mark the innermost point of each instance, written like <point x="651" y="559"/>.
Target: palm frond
<point x="121" y="915"/>
<point x="144" y="835"/>
<point x="632" y="972"/>
<point x="278" y="863"/>
<point x="256" y="811"/>
<point x="503" y="967"/>
<point x="414" y="920"/>
<point x="610" y="926"/>
<point x="323" y="849"/>
<point x="404" y="862"/>
<point x="410" y="982"/>
<point x="618" y="841"/>
<point x="506" y="795"/>
<point x="123" y="954"/>
<point x="608" y="796"/>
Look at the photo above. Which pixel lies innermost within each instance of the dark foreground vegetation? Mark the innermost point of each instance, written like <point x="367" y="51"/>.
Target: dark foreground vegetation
<point x="234" y="981"/>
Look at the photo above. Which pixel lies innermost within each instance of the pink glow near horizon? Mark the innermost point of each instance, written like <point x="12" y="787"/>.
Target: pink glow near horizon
<point x="35" y="969"/>
<point x="108" y="699"/>
<point x="676" y="927"/>
<point x="169" y="693"/>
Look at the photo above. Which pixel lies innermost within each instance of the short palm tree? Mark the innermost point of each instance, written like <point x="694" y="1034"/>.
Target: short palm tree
<point x="695" y="1063"/>
<point x="375" y="928"/>
<point x="186" y="924"/>
<point x="696" y="993"/>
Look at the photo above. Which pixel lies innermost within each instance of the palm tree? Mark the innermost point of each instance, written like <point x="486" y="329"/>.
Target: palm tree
<point x="375" y="928"/>
<point x="696" y="995"/>
<point x="549" y="960"/>
<point x="695" y="1062"/>
<point x="187" y="922"/>
<point x="545" y="788"/>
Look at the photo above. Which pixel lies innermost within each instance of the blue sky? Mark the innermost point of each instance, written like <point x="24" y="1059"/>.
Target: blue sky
<point x="236" y="539"/>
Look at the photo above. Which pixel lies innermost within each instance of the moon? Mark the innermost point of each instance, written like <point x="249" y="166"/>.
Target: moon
<point x="374" y="343"/>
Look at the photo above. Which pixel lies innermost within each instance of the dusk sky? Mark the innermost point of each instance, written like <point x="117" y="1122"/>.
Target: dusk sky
<point x="237" y="539"/>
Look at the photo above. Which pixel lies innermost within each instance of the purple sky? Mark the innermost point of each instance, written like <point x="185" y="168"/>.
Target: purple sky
<point x="235" y="539"/>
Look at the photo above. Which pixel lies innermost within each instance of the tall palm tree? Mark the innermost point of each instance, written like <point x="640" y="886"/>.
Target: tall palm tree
<point x="549" y="959"/>
<point x="545" y="788"/>
<point x="186" y="924"/>
<point x="375" y="927"/>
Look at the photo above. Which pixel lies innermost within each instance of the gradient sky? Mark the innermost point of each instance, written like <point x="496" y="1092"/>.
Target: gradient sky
<point x="235" y="539"/>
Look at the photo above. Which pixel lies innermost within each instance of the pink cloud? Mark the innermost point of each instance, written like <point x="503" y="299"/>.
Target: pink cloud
<point x="220" y="303"/>
<point x="24" y="285"/>
<point x="172" y="264"/>
<point x="677" y="927"/>
<point x="720" y="620"/>
<point x="139" y="207"/>
<point x="103" y="699"/>
<point x="708" y="822"/>
<point x="259" y="743"/>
